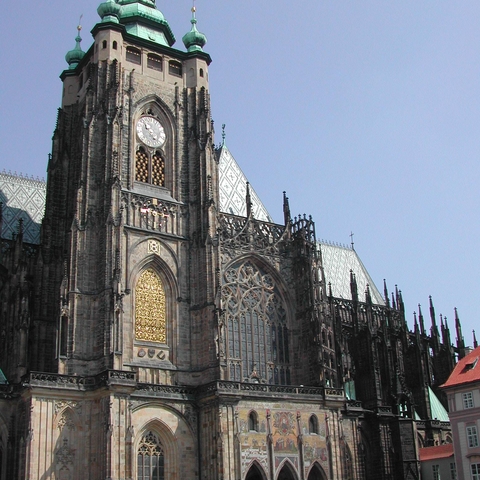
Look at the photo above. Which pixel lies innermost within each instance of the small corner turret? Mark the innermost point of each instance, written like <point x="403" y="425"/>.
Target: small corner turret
<point x="198" y="60"/>
<point x="194" y="41"/>
<point x="73" y="57"/>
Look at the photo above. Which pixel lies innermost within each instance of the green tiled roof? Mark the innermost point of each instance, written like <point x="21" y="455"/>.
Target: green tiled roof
<point x="3" y="379"/>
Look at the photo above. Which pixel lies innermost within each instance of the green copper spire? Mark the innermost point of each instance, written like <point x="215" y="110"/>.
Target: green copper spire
<point x="74" y="56"/>
<point x="194" y="40"/>
<point x="109" y="11"/>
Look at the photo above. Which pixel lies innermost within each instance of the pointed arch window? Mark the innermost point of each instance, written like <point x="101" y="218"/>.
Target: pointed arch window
<point x="149" y="168"/>
<point x="313" y="425"/>
<point x="253" y="422"/>
<point x="150" y="308"/>
<point x="257" y="337"/>
<point x="150" y="458"/>
<point x="347" y="460"/>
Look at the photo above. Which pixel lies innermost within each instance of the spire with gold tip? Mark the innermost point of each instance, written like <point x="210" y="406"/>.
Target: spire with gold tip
<point x="194" y="40"/>
<point x="73" y="57"/>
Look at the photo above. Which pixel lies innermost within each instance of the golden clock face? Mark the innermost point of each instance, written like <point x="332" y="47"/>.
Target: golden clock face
<point x="150" y="131"/>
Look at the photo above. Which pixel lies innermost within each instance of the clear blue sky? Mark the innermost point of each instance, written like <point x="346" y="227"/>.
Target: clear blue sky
<point x="366" y="112"/>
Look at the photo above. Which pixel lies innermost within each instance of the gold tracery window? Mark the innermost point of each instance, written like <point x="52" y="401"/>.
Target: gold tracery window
<point x="150" y="308"/>
<point x="149" y="169"/>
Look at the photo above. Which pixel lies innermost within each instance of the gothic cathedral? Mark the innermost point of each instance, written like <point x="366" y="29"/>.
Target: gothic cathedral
<point x="164" y="328"/>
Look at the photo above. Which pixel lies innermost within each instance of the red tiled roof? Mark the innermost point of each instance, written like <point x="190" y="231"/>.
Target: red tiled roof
<point x="434" y="453"/>
<point x="467" y="370"/>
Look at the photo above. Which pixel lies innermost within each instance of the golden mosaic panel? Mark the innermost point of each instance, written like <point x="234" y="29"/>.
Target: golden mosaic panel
<point x="150" y="308"/>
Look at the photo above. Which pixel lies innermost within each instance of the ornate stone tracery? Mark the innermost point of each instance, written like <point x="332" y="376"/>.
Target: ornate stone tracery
<point x="150" y="308"/>
<point x="66" y="421"/>
<point x="65" y="457"/>
<point x="257" y="336"/>
<point x="150" y="459"/>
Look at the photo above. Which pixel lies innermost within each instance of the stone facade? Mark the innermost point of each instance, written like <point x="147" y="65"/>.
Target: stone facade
<point x="152" y="336"/>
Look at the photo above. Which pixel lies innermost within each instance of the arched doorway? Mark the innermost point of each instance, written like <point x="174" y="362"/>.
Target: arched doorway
<point x="317" y="473"/>
<point x="255" y="473"/>
<point x="287" y="473"/>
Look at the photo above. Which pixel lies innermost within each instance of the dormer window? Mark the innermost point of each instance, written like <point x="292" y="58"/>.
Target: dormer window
<point x="175" y="68"/>
<point x="154" y="62"/>
<point x="134" y="55"/>
<point x="471" y="365"/>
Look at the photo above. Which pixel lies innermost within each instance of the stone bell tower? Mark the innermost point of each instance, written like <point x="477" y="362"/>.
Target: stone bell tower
<point x="128" y="231"/>
<point x="127" y="270"/>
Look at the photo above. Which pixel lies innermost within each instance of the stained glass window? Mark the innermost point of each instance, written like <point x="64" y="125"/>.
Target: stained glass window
<point x="256" y="326"/>
<point x="150" y="458"/>
<point x="150" y="308"/>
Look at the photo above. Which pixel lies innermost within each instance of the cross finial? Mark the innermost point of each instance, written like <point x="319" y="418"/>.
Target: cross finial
<point x="351" y="240"/>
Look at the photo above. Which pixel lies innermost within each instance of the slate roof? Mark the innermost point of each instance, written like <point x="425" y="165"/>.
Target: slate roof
<point x="466" y="371"/>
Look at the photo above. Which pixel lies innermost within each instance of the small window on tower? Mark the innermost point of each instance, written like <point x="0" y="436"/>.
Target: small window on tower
<point x="154" y="62"/>
<point x="134" y="55"/>
<point x="253" y="422"/>
<point x="104" y="44"/>
<point x="201" y="72"/>
<point x="175" y="68"/>
<point x="115" y="45"/>
<point x="313" y="425"/>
